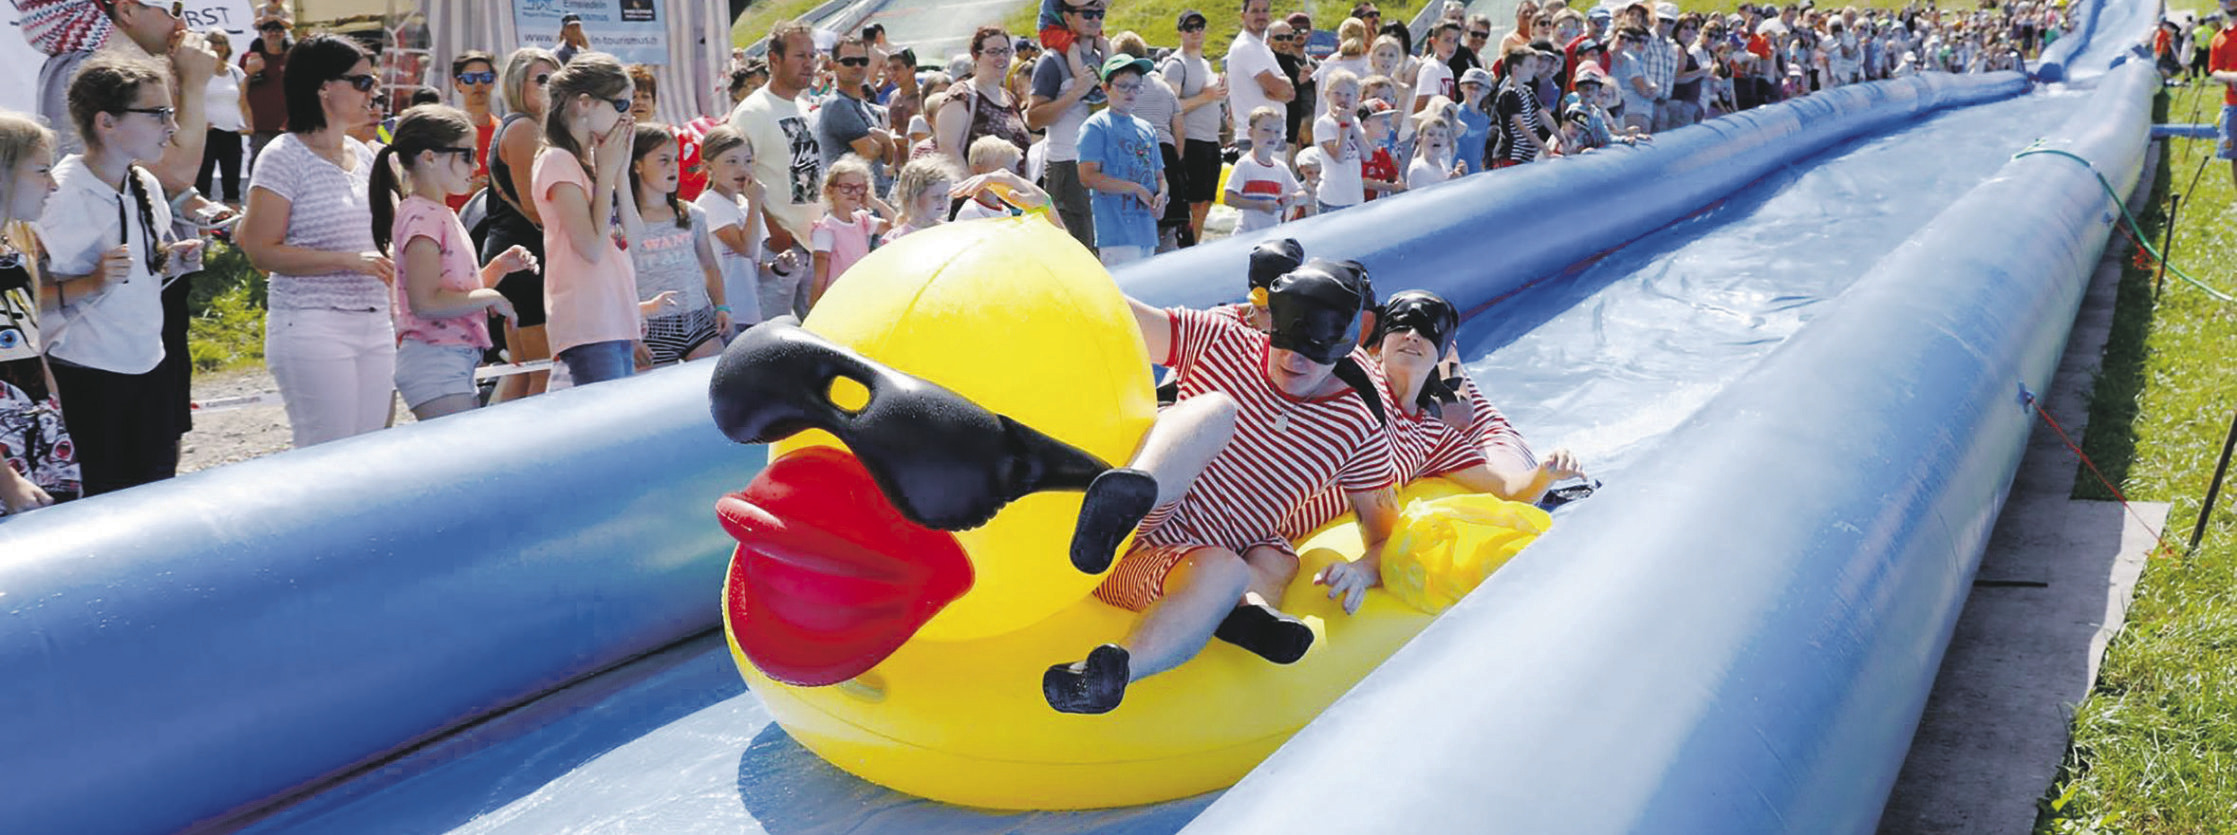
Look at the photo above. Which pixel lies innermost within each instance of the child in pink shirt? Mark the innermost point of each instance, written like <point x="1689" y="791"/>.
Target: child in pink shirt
<point x="441" y="296"/>
<point x="843" y="236"/>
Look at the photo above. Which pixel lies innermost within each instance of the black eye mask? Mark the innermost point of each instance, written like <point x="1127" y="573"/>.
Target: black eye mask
<point x="945" y="462"/>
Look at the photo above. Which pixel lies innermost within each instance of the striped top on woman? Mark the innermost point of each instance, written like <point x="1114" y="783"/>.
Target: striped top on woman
<point x="1420" y="446"/>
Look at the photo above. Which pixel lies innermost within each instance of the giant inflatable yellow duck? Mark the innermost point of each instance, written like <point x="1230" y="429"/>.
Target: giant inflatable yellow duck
<point x="899" y="628"/>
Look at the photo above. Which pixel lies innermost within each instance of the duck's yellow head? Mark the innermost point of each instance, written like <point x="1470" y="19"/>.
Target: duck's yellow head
<point x="1013" y="316"/>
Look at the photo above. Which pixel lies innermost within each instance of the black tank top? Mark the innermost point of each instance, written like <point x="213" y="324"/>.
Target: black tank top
<point x="502" y="211"/>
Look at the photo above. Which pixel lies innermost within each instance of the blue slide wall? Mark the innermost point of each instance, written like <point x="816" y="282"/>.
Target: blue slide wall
<point x="193" y="649"/>
<point x="1741" y="636"/>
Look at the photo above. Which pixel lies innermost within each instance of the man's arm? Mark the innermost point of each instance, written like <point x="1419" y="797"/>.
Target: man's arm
<point x="1044" y="109"/>
<point x="1275" y="86"/>
<point x="1348" y="582"/>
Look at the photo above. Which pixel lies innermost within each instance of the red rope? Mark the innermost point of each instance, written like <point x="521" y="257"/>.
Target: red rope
<point x="2164" y="548"/>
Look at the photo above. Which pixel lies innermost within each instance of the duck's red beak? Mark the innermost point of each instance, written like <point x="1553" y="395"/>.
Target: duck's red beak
<point x="829" y="579"/>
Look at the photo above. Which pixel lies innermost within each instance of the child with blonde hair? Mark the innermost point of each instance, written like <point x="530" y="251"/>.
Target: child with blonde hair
<point x="1342" y="144"/>
<point x="1260" y="185"/>
<point x="440" y="296"/>
<point x="36" y="465"/>
<point x="732" y="204"/>
<point x="1433" y="159"/>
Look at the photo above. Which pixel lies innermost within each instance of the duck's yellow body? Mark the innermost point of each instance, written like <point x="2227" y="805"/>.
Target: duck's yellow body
<point x="957" y="714"/>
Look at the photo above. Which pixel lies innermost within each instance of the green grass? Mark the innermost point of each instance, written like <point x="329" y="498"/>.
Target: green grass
<point x="227" y="303"/>
<point x="1154" y="20"/>
<point x="2155" y="743"/>
<point x="754" y="23"/>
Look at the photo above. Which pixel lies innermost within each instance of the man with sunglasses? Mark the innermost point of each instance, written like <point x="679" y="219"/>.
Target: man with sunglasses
<point x="1064" y="86"/>
<point x="1255" y="77"/>
<point x="849" y="123"/>
<point x="1476" y="36"/>
<point x="266" y="63"/>
<point x="474" y="77"/>
<point x="1288" y="37"/>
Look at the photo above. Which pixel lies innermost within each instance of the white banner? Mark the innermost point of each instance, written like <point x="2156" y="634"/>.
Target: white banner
<point x="631" y="30"/>
<point x="20" y="62"/>
<point x="233" y="16"/>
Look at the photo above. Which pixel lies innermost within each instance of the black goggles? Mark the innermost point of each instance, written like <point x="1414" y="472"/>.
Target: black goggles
<point x="1423" y="312"/>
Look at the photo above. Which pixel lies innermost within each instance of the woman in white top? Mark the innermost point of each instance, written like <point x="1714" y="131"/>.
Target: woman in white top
<point x="105" y="231"/>
<point x="327" y="338"/>
<point x="1352" y="39"/>
<point x="228" y="112"/>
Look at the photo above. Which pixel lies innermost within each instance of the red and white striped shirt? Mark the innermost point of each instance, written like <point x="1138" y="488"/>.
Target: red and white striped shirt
<point x="1492" y="432"/>
<point x="1420" y="446"/>
<point x="1284" y="449"/>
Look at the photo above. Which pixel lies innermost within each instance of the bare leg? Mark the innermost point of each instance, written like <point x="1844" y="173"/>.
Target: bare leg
<point x="1183" y="441"/>
<point x="1199" y="592"/>
<point x="525" y="345"/>
<point x="1196" y="213"/>
<point x="1272" y="569"/>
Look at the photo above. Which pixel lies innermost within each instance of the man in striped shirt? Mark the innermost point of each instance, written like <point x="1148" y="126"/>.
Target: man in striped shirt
<point x="1264" y="422"/>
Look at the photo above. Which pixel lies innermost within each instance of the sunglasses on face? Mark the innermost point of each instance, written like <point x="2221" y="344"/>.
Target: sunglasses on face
<point x="483" y="77"/>
<point x="621" y="105"/>
<point x="1085" y="13"/>
<point x="272" y="26"/>
<point x="1281" y="38"/>
<point x="465" y="155"/>
<point x="1192" y="27"/>
<point x="363" y="83"/>
<point x="542" y="79"/>
<point x="161" y="114"/>
<point x="175" y="8"/>
<point x="1479" y="35"/>
<point x="858" y="61"/>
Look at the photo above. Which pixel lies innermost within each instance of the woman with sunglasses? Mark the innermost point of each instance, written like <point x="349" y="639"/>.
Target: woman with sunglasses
<point x="327" y="336"/>
<point x="106" y="231"/>
<point x="513" y="217"/>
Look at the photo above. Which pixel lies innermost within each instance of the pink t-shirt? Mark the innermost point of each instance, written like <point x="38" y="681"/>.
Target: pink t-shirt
<point x="418" y="217"/>
<point x="846" y="240"/>
<point x="584" y="303"/>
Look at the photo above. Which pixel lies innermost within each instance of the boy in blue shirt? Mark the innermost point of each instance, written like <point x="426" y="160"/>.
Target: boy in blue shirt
<point x="1121" y="167"/>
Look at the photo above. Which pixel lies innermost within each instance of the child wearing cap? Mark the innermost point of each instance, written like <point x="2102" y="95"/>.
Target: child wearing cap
<point x="1380" y="172"/>
<point x="1475" y="124"/>
<point x="1121" y="167"/>
<point x="1264" y="422"/>
<point x="1260" y="185"/>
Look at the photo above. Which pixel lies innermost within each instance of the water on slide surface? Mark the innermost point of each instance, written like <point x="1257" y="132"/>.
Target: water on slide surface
<point x="1604" y="361"/>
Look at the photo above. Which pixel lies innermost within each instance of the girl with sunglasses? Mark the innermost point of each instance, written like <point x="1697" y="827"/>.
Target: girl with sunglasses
<point x="596" y="323"/>
<point x="105" y="232"/>
<point x="327" y="336"/>
<point x="442" y="299"/>
<point x="514" y="219"/>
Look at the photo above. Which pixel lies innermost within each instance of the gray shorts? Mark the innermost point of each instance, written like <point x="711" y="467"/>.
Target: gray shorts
<point x="427" y="372"/>
<point x="1070" y="197"/>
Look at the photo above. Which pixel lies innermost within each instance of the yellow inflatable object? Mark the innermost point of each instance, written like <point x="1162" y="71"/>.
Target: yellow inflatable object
<point x="1226" y="170"/>
<point x="1013" y="315"/>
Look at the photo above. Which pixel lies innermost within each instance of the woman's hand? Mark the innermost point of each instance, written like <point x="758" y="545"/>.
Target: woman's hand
<point x="1561" y="464"/>
<point x="515" y="260"/>
<point x="369" y="263"/>
<point x="18" y="494"/>
<point x="1349" y="581"/>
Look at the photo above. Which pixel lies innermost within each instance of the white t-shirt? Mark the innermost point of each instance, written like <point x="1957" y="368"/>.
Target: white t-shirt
<point x="222" y="99"/>
<point x="741" y="274"/>
<point x="975" y="210"/>
<point x="786" y="159"/>
<point x="1426" y="172"/>
<point x="1341" y="183"/>
<point x="1246" y="58"/>
<point x="1254" y="179"/>
<point x="1435" y="80"/>
<point x="120" y="328"/>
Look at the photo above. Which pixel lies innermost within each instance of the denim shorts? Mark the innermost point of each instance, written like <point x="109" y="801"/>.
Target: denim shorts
<point x="2225" y="147"/>
<point x="426" y="372"/>
<point x="598" y="362"/>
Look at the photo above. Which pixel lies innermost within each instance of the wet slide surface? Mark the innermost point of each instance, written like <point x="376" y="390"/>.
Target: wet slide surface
<point x="1603" y="360"/>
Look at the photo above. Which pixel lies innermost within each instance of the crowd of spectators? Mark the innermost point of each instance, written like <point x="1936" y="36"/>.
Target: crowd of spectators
<point x="535" y="210"/>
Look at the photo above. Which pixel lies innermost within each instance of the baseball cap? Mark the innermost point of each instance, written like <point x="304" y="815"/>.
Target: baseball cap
<point x="1600" y="13"/>
<point x="1122" y="61"/>
<point x="1476" y="75"/>
<point x="1590" y="73"/>
<point x="1375" y="107"/>
<point x="1188" y="15"/>
<point x="570" y="17"/>
<point x="1666" y="11"/>
<point x="1586" y="44"/>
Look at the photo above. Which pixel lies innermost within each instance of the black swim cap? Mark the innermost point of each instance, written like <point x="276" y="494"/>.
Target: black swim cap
<point x="1271" y="258"/>
<point x="1315" y="309"/>
<point x="1422" y="312"/>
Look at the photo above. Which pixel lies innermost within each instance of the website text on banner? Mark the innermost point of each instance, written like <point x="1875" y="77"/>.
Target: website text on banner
<point x="630" y="30"/>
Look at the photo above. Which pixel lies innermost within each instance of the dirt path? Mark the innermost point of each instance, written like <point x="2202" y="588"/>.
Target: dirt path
<point x="238" y="434"/>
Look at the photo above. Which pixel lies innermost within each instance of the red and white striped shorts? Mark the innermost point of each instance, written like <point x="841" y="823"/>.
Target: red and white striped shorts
<point x="1138" y="579"/>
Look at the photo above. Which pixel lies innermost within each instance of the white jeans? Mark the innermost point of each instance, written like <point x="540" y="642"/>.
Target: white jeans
<point x="335" y="368"/>
<point x="1112" y="256"/>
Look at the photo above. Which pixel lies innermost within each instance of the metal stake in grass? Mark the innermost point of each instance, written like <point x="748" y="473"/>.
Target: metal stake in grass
<point x="2213" y="488"/>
